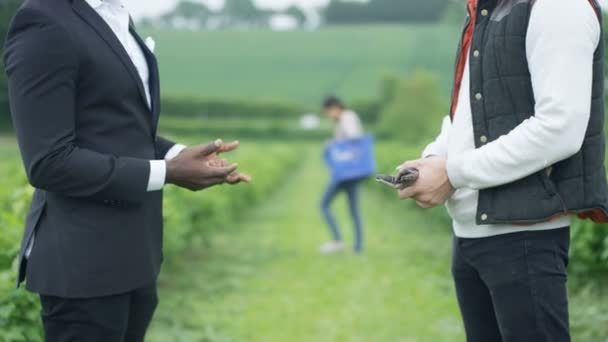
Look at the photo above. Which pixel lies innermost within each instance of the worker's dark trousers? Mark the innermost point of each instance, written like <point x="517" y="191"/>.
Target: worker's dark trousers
<point x="512" y="288"/>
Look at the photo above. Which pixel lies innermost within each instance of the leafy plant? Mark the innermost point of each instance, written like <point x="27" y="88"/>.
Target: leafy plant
<point x="7" y="9"/>
<point x="412" y="108"/>
<point x="188" y="216"/>
<point x="589" y="249"/>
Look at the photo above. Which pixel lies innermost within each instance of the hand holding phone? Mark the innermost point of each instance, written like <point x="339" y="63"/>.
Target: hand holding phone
<point x="404" y="179"/>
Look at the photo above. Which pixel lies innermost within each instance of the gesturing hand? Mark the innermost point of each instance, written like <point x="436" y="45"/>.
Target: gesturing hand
<point x="433" y="186"/>
<point x="200" y="167"/>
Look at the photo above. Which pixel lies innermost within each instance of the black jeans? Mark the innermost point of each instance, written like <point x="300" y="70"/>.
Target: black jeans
<point x="512" y="288"/>
<point x="119" y="318"/>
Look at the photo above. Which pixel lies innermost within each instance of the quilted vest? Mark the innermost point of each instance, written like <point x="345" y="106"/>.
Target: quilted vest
<point x="502" y="98"/>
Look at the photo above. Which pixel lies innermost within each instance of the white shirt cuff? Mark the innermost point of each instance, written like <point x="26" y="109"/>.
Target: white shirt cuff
<point x="456" y="172"/>
<point x="158" y="175"/>
<point x="174" y="151"/>
<point x="158" y="168"/>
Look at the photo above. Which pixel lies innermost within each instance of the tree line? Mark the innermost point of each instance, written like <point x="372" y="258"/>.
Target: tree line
<point x="233" y="13"/>
<point x="378" y="11"/>
<point x="245" y="12"/>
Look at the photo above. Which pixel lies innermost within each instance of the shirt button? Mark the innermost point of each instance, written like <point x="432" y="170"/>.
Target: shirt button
<point x="484" y="217"/>
<point x="483" y="139"/>
<point x="478" y="96"/>
<point x="484" y="13"/>
<point x="476" y="53"/>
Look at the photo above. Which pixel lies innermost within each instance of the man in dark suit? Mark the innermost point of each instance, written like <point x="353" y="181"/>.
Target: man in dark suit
<point x="84" y="92"/>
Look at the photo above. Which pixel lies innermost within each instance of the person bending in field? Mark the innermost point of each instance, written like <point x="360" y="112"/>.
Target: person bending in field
<point x="348" y="126"/>
<point x="521" y="151"/>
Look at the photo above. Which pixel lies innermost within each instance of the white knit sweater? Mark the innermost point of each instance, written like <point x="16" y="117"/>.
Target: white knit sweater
<point x="562" y="38"/>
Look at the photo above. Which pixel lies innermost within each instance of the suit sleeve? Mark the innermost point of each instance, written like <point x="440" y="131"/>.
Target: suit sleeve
<point x="42" y="69"/>
<point x="162" y="147"/>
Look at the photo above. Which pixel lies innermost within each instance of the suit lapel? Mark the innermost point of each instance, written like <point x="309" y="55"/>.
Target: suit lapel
<point x="154" y="81"/>
<point x="89" y="15"/>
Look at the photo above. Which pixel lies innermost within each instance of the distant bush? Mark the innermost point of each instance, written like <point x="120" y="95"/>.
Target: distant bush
<point x="236" y="119"/>
<point x="229" y="108"/>
<point x="368" y="110"/>
<point x="286" y="129"/>
<point x="413" y="108"/>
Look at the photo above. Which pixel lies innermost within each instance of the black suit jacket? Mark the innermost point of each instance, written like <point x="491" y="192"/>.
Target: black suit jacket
<point x="86" y="136"/>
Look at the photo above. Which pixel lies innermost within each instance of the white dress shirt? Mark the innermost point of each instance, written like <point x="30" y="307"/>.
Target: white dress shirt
<point x="562" y="38"/>
<point x="115" y="14"/>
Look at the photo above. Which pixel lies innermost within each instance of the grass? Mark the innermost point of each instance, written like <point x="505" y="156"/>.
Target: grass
<point x="300" y="66"/>
<point x="264" y="280"/>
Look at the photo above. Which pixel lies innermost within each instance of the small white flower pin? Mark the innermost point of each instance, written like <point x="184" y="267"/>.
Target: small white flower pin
<point x="150" y="43"/>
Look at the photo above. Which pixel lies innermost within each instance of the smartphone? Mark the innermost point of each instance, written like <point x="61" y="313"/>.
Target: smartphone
<point x="404" y="179"/>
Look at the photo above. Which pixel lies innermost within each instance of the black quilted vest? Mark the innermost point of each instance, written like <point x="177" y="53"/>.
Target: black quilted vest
<point x="502" y="98"/>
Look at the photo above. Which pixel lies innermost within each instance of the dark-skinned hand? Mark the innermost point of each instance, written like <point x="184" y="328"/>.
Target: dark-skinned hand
<point x="200" y="167"/>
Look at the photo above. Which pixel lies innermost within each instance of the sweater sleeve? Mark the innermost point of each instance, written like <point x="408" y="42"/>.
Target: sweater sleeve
<point x="561" y="41"/>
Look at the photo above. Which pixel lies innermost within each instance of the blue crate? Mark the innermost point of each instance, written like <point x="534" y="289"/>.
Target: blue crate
<point x="351" y="159"/>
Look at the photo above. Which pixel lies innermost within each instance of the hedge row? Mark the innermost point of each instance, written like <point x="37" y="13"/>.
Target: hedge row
<point x="187" y="216"/>
<point x="368" y="109"/>
<point x="229" y="108"/>
<point x="19" y="312"/>
<point x="241" y="129"/>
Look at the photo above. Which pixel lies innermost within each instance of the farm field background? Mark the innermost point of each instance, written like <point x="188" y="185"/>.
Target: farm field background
<point x="242" y="264"/>
<point x="300" y="66"/>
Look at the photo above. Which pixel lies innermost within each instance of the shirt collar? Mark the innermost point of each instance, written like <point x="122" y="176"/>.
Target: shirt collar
<point x="98" y="3"/>
<point x="95" y="3"/>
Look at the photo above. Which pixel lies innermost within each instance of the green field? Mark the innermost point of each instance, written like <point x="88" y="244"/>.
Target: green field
<point x="300" y="66"/>
<point x="264" y="280"/>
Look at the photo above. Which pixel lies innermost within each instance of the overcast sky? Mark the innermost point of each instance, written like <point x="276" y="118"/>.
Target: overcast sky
<point x="141" y="8"/>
